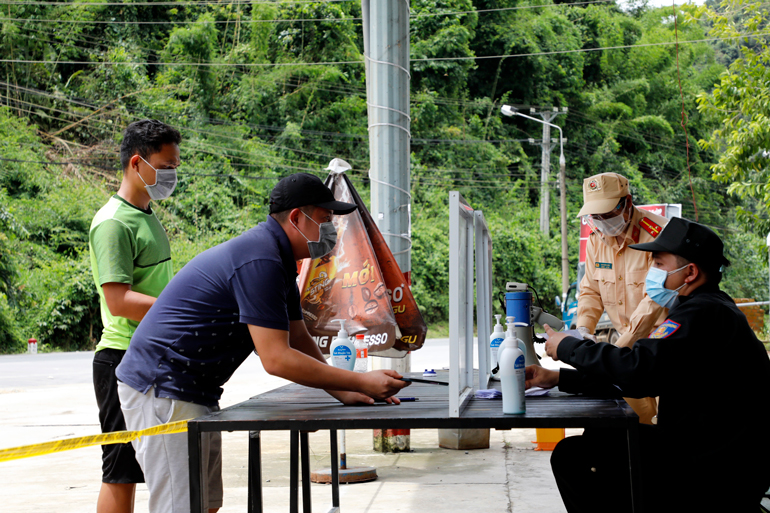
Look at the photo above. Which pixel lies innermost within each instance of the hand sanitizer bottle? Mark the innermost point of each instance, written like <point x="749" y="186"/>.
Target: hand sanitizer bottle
<point x="512" y="376"/>
<point x="495" y="341"/>
<point x="343" y="352"/>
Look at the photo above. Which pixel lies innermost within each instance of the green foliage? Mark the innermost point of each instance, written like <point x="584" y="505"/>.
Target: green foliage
<point x="67" y="314"/>
<point x="10" y="339"/>
<point x="196" y="44"/>
<point x="253" y="91"/>
<point x="740" y="107"/>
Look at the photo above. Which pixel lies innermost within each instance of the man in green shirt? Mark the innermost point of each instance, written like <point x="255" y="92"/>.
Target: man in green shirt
<point x="131" y="264"/>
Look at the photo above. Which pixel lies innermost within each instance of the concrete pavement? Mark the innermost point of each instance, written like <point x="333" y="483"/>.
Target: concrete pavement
<point x="49" y="397"/>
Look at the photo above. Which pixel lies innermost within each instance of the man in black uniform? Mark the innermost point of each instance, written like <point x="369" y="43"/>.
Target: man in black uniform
<point x="708" y="449"/>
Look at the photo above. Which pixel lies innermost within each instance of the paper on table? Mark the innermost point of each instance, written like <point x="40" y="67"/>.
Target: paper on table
<point x="536" y="391"/>
<point x="489" y="394"/>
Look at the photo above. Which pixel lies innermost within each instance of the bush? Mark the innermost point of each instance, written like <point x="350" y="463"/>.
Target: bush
<point x="10" y="340"/>
<point x="67" y="316"/>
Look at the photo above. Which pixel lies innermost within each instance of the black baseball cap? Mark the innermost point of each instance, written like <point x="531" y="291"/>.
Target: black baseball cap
<point x="690" y="240"/>
<point x="301" y="189"/>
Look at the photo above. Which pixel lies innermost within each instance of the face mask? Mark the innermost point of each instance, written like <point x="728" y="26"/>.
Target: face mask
<point x="654" y="285"/>
<point x="611" y="227"/>
<point x="327" y="239"/>
<point x="165" y="183"/>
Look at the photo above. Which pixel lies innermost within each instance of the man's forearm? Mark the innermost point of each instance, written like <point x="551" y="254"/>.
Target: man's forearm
<point x="127" y="303"/>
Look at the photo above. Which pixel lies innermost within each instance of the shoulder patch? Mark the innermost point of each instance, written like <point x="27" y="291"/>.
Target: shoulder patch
<point x="603" y="265"/>
<point x="650" y="227"/>
<point x="666" y="329"/>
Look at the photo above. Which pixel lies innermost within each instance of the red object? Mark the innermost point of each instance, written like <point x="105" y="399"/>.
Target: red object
<point x="32" y="341"/>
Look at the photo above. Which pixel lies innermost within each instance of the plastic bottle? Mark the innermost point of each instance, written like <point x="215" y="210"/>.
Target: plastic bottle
<point x="362" y="354"/>
<point x="495" y="341"/>
<point x="512" y="363"/>
<point x="510" y="333"/>
<point x="342" y="351"/>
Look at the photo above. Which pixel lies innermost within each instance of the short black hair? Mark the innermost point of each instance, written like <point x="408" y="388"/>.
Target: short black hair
<point x="713" y="275"/>
<point x="283" y="215"/>
<point x="146" y="137"/>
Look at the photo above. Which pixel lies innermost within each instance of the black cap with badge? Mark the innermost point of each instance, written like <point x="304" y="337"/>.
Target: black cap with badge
<point x="688" y="239"/>
<point x="302" y="189"/>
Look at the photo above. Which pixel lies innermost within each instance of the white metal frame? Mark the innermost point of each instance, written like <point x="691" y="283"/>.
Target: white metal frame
<point x="461" y="219"/>
<point x="467" y="226"/>
<point x="484" y="283"/>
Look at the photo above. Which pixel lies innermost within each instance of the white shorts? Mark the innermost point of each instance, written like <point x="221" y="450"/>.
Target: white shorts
<point x="163" y="458"/>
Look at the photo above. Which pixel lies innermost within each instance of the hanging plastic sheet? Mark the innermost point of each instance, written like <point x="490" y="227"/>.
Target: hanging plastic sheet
<point x="359" y="281"/>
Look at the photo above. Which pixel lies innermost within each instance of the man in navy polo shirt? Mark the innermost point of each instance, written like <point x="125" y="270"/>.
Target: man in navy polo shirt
<point x="225" y="303"/>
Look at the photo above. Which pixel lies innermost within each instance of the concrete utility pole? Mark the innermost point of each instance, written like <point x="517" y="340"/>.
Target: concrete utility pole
<point x="547" y="144"/>
<point x="386" y="49"/>
<point x="386" y="53"/>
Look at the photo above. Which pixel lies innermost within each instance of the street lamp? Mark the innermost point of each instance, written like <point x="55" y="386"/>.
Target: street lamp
<point x="510" y="111"/>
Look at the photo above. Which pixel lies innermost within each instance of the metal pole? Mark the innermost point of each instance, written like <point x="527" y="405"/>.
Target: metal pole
<point x="545" y="165"/>
<point x="768" y="261"/>
<point x="511" y="111"/>
<point x="387" y="81"/>
<point x="386" y="53"/>
<point x="563" y="208"/>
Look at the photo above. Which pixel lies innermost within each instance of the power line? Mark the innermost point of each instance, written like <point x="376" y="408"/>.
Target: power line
<point x="163" y="3"/>
<point x="358" y="62"/>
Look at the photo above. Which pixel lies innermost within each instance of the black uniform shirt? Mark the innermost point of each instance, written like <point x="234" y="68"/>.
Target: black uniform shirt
<point x="708" y="368"/>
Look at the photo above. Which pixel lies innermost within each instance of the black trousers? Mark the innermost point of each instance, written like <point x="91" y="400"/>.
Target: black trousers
<point x="592" y="473"/>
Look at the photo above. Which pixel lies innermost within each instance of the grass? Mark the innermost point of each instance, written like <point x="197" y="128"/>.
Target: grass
<point x="438" y="330"/>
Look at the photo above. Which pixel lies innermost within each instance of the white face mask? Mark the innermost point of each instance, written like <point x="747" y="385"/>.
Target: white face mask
<point x="165" y="182"/>
<point x="613" y="226"/>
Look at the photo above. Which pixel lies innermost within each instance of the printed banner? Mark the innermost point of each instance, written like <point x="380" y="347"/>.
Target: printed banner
<point x="359" y="281"/>
<point x="347" y="284"/>
<point x="408" y="316"/>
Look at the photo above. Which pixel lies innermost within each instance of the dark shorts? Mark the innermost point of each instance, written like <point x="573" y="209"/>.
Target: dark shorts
<point x="119" y="463"/>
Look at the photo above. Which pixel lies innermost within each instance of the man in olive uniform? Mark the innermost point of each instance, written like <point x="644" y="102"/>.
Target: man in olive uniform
<point x="614" y="277"/>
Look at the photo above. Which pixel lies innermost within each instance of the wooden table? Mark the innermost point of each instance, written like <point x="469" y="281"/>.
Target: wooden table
<point x="299" y="409"/>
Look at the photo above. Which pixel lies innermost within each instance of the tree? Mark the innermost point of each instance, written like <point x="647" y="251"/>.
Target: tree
<point x="740" y="105"/>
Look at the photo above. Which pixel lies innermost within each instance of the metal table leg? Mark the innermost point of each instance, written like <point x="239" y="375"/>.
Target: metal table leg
<point x="293" y="472"/>
<point x="307" y="505"/>
<point x="635" y="468"/>
<point x="255" y="473"/>
<point x="194" y="462"/>
<point x="335" y="471"/>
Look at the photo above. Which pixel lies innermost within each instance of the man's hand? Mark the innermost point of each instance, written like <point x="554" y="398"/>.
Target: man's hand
<point x="553" y="341"/>
<point x="537" y="376"/>
<point x="382" y="384"/>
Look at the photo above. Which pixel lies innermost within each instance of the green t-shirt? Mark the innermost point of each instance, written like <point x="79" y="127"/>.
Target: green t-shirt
<point x="127" y="245"/>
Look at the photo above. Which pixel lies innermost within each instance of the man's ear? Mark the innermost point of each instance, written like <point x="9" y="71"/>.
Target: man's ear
<point x="133" y="162"/>
<point x="294" y="216"/>
<point x="693" y="271"/>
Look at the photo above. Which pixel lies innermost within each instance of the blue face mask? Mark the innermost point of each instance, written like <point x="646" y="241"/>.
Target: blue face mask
<point x="655" y="286"/>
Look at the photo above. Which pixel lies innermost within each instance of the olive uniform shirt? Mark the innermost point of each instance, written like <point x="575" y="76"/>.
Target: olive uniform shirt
<point x="614" y="281"/>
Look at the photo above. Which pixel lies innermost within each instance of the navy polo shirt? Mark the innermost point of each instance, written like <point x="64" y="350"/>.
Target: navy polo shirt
<point x="195" y="335"/>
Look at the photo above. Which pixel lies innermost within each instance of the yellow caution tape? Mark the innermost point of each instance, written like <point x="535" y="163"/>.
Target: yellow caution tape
<point x="118" y="437"/>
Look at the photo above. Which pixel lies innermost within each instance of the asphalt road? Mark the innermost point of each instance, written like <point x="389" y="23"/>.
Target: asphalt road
<point x="51" y="369"/>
